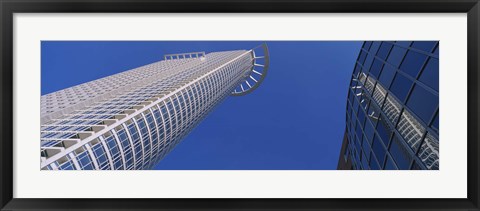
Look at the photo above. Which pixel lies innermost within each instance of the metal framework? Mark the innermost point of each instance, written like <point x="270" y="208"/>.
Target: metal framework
<point x="131" y="120"/>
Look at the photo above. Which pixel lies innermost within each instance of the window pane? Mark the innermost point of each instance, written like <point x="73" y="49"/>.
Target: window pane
<point x="387" y="75"/>
<point x="423" y="103"/>
<point x="366" y="147"/>
<point x="373" y="113"/>
<point x="435" y="122"/>
<point x="368" y="62"/>
<point x="436" y="50"/>
<point x="384" y="131"/>
<point x="374" y="163"/>
<point x="429" y="152"/>
<point x="375" y="47"/>
<point x="392" y="109"/>
<point x="396" y="56"/>
<point x="361" y="116"/>
<point x="400" y="154"/>
<point x="430" y="74"/>
<point x="411" y="130"/>
<point x="404" y="43"/>
<point x="367" y="45"/>
<point x="378" y="149"/>
<point x="379" y="95"/>
<point x="369" y="131"/>
<point x="362" y="57"/>
<point x="424" y="45"/>
<point x="376" y="67"/>
<point x="365" y="162"/>
<point x="390" y="165"/>
<point x="359" y="130"/>
<point x="384" y="49"/>
<point x="413" y="62"/>
<point x="400" y="87"/>
<point x="356" y="70"/>
<point x="369" y="84"/>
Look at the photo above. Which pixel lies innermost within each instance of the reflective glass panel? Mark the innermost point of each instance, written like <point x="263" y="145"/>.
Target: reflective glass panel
<point x="367" y="45"/>
<point x="390" y="165"/>
<point x="404" y="43"/>
<point x="379" y="149"/>
<point x="430" y="74"/>
<point x="375" y="47"/>
<point x="400" y="154"/>
<point x="410" y="129"/>
<point x="396" y="56"/>
<point x="413" y="63"/>
<point x="400" y="87"/>
<point x="387" y="75"/>
<point x="362" y="57"/>
<point x="384" y="50"/>
<point x="423" y="103"/>
<point x="424" y="45"/>
<point x="376" y="68"/>
<point x="429" y="152"/>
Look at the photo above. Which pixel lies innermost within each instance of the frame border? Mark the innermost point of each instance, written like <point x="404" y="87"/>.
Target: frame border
<point x="9" y="7"/>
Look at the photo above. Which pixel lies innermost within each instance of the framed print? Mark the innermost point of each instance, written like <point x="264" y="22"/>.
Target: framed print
<point x="259" y="105"/>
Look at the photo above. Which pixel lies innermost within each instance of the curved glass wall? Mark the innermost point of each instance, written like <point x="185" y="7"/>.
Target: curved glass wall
<point x="392" y="106"/>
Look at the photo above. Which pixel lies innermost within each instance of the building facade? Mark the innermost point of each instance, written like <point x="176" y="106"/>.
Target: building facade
<point x="392" y="119"/>
<point x="131" y="120"/>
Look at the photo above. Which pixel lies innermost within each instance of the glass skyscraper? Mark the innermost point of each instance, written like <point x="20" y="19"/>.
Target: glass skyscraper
<point x="392" y="107"/>
<point x="131" y="120"/>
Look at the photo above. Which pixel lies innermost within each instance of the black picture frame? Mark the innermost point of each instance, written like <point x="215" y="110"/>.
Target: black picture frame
<point x="9" y="7"/>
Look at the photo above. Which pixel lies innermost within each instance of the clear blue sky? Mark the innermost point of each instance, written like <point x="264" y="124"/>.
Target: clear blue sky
<point x="294" y="121"/>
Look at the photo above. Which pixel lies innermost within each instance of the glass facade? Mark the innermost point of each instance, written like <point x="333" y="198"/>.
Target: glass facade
<point x="131" y="120"/>
<point x="392" y="107"/>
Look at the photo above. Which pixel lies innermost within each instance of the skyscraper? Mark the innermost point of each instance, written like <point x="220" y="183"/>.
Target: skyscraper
<point x="131" y="120"/>
<point x="392" y="107"/>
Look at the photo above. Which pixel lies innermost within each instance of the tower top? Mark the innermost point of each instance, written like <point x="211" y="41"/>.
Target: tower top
<point x="261" y="62"/>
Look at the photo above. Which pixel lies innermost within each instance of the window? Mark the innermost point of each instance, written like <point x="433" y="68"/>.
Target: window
<point x="384" y="131"/>
<point x="365" y="162"/>
<point x="396" y="56"/>
<point x="400" y="154"/>
<point x="367" y="45"/>
<point x="368" y="62"/>
<point x="390" y="165"/>
<point x="430" y="74"/>
<point x="373" y="113"/>
<point x="359" y="130"/>
<point x="375" y="46"/>
<point x="423" y="103"/>
<point x="429" y="152"/>
<point x="413" y="63"/>
<point x="366" y="147"/>
<point x="357" y="70"/>
<point x="362" y="57"/>
<point x="384" y="50"/>
<point x="400" y="87"/>
<point x="404" y="43"/>
<point x="376" y="68"/>
<point x="361" y="116"/>
<point x="410" y="129"/>
<point x="387" y="75"/>
<point x="368" y="132"/>
<point x="435" y="123"/>
<point x="373" y="163"/>
<point x="436" y="50"/>
<point x="378" y="149"/>
<point x="424" y="45"/>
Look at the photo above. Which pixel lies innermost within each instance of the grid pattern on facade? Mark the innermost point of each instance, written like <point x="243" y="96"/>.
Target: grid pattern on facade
<point x="136" y="128"/>
<point x="392" y="106"/>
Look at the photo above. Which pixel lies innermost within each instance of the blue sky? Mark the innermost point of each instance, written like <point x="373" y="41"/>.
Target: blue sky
<point x="295" y="120"/>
